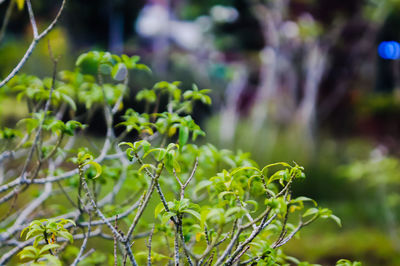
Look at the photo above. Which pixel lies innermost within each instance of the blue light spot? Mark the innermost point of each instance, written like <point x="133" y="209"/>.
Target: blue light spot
<point x="389" y="50"/>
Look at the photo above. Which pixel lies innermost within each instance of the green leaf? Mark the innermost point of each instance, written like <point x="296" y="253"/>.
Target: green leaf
<point x="159" y="208"/>
<point x="193" y="212"/>
<point x="237" y="170"/>
<point x="281" y="175"/>
<point x="302" y="199"/>
<point x="252" y="202"/>
<point x="69" y="100"/>
<point x="176" y="165"/>
<point x="48" y="247"/>
<point x="161" y="154"/>
<point x="127" y="61"/>
<point x="265" y="169"/>
<point x="23" y="231"/>
<point x="126" y="143"/>
<point x="148" y="95"/>
<point x="143" y="67"/>
<point x="27" y="255"/>
<point x="97" y="166"/>
<point x="201" y="185"/>
<point x="310" y="211"/>
<point x="105" y="69"/>
<point x="183" y="135"/>
<point x="34" y="232"/>
<point x="224" y="193"/>
<point x="52" y="260"/>
<point x="88" y="62"/>
<point x="119" y="72"/>
<point x="66" y="235"/>
<point x="37" y="240"/>
<point x="147" y="165"/>
<point x="344" y="262"/>
<point x="145" y="145"/>
<point x="236" y="211"/>
<point x="251" y="179"/>
<point x="66" y="221"/>
<point x="166" y="217"/>
<point x="336" y="219"/>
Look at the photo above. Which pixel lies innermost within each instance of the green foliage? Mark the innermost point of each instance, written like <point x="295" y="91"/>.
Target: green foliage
<point x="344" y="262"/>
<point x="109" y="64"/>
<point x="46" y="230"/>
<point x="139" y="122"/>
<point x="84" y="159"/>
<point x="216" y="206"/>
<point x="40" y="256"/>
<point x="9" y="134"/>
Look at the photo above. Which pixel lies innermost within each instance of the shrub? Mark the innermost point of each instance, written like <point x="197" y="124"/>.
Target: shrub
<point x="150" y="190"/>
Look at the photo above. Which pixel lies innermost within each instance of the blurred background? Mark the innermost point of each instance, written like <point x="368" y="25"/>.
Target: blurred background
<point x="298" y="80"/>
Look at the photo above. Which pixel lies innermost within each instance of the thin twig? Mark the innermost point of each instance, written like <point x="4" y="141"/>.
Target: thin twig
<point x="253" y="234"/>
<point x="176" y="246"/>
<point x="83" y="247"/>
<point x="87" y="254"/>
<point x="241" y="254"/>
<point x="143" y="205"/>
<point x="149" y="245"/>
<point x="32" y="19"/>
<point x="183" y="187"/>
<point x="115" y="242"/>
<point x="32" y="47"/>
<point x="99" y="213"/>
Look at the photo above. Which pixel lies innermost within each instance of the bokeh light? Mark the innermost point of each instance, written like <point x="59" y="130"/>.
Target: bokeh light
<point x="389" y="50"/>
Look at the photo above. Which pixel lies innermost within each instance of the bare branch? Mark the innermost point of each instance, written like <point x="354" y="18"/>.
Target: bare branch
<point x="32" y="46"/>
<point x="253" y="234"/>
<point x="121" y="97"/>
<point x="241" y="254"/>
<point x="115" y="242"/>
<point x="32" y="19"/>
<point x="183" y="187"/>
<point x="143" y="205"/>
<point x="87" y="254"/>
<point x="99" y="213"/>
<point x="26" y="212"/>
<point x="83" y="247"/>
<point x="176" y="247"/>
<point x="177" y="177"/>
<point x="193" y="172"/>
<point x="149" y="245"/>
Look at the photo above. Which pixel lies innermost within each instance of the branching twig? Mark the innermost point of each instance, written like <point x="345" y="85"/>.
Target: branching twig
<point x="253" y="234"/>
<point x="83" y="247"/>
<point x="183" y="187"/>
<point x="143" y="205"/>
<point x="32" y="46"/>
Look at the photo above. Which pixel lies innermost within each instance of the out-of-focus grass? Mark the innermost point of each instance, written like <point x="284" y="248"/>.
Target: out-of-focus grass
<point x="11" y="111"/>
<point x="325" y="245"/>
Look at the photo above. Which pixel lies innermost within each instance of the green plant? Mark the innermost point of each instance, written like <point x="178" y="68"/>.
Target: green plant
<point x="212" y="207"/>
<point x="344" y="262"/>
<point x="47" y="231"/>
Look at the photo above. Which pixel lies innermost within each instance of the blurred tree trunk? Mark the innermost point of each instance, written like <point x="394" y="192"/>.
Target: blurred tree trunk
<point x="116" y="27"/>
